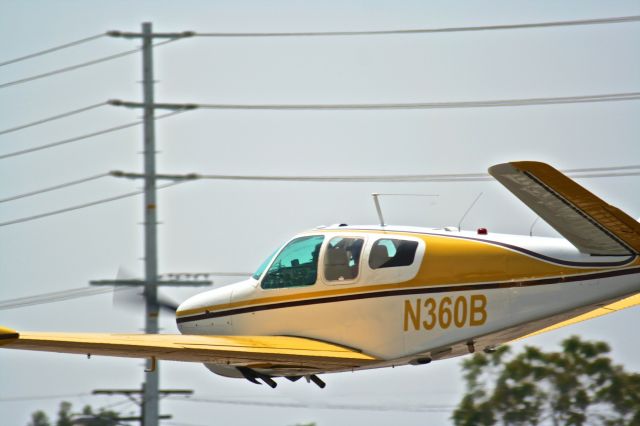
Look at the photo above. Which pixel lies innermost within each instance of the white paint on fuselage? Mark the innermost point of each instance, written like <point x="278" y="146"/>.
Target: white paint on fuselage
<point x="376" y="325"/>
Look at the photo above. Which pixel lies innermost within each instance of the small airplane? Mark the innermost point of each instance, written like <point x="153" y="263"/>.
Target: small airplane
<point x="346" y="298"/>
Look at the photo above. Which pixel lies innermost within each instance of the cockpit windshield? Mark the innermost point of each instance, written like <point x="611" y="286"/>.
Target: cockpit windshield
<point x="296" y="265"/>
<point x="264" y="265"/>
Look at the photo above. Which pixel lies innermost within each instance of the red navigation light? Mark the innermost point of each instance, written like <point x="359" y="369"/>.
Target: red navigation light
<point x="482" y="231"/>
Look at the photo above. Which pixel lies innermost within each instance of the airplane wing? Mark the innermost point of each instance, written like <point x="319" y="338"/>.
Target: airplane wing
<point x="248" y="351"/>
<point x="589" y="223"/>
<point x="604" y="310"/>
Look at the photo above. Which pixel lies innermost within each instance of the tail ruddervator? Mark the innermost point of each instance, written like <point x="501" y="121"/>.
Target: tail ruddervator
<point x="589" y="223"/>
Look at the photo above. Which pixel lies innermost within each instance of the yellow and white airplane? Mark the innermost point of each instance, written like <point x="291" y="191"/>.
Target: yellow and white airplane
<point x="346" y="298"/>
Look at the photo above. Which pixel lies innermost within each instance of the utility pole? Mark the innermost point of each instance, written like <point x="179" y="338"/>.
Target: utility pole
<point x="150" y="404"/>
<point x="150" y="389"/>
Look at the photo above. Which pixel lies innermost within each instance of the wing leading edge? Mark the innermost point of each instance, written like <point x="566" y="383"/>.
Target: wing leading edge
<point x="625" y="303"/>
<point x="281" y="351"/>
<point x="588" y="222"/>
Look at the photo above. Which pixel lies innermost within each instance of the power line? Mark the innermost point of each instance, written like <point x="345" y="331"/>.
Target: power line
<point x="122" y="404"/>
<point x="82" y="206"/>
<point x="357" y="407"/>
<point x="56" y="296"/>
<point x="432" y="105"/>
<point x="85" y="136"/>
<point x="628" y="96"/>
<point x="458" y="177"/>
<point x="78" y="66"/>
<point x="69" y="140"/>
<point x="602" y="175"/>
<point x="461" y="177"/>
<point x="69" y="68"/>
<point x="82" y="292"/>
<point x="53" y="188"/>
<point x="388" y="178"/>
<point x="471" y="177"/>
<point x="602" y="169"/>
<point x="52" y="118"/>
<point x="598" y="21"/>
<point x="52" y="49"/>
<point x="44" y="397"/>
<point x="615" y="171"/>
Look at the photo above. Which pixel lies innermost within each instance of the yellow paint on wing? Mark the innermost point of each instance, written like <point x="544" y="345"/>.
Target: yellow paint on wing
<point x="605" y="310"/>
<point x="6" y="331"/>
<point x="7" y="335"/>
<point x="195" y="348"/>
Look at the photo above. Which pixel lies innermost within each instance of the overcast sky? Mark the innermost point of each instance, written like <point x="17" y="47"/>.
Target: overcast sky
<point x="232" y="226"/>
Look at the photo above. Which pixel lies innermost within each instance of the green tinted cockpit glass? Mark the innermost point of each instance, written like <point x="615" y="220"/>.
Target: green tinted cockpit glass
<point x="296" y="265"/>
<point x="263" y="266"/>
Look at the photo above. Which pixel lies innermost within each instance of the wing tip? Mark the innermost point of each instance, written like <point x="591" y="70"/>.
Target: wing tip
<point x="8" y="335"/>
<point x="512" y="166"/>
<point x="588" y="222"/>
<point x="500" y="169"/>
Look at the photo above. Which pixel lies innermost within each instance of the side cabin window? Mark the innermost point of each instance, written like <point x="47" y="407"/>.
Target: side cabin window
<point x="389" y="253"/>
<point x="296" y="265"/>
<point x="342" y="259"/>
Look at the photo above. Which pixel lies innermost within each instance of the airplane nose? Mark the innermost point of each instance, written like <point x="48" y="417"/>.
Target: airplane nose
<point x="193" y="316"/>
<point x="188" y="305"/>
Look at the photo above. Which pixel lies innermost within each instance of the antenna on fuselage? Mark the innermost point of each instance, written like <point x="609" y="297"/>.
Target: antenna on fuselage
<point x="376" y="201"/>
<point x="532" y="225"/>
<point x="375" y="196"/>
<point x="468" y="210"/>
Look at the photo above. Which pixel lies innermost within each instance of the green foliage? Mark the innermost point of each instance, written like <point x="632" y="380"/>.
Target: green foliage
<point x="39" y="418"/>
<point x="67" y="418"/>
<point x="64" y="414"/>
<point x="101" y="418"/>
<point x="578" y="386"/>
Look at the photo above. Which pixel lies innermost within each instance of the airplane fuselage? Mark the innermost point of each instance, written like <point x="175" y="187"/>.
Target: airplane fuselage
<point x="412" y="295"/>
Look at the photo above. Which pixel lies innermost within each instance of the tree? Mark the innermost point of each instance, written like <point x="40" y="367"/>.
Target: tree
<point x="101" y="418"/>
<point x="64" y="414"/>
<point x="39" y="418"/>
<point x="578" y="386"/>
<point x="66" y="418"/>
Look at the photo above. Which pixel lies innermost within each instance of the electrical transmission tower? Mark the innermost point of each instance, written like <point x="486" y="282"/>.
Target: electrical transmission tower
<point x="151" y="281"/>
